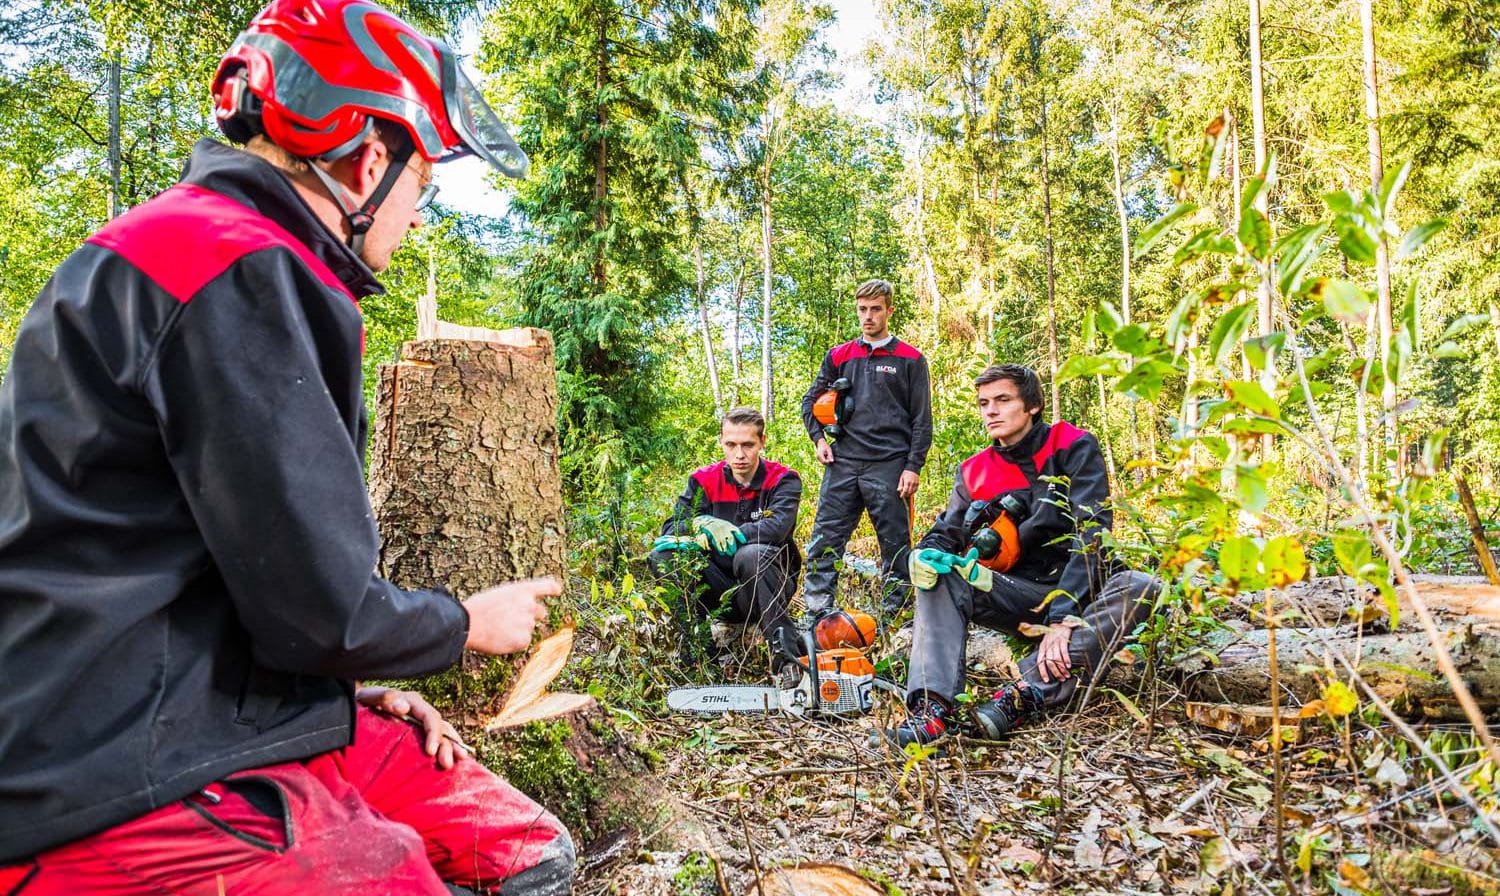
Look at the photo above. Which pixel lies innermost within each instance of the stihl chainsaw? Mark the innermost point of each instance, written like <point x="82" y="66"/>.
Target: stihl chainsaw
<point x="837" y="679"/>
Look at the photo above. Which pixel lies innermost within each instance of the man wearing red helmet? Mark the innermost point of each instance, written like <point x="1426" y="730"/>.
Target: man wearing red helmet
<point x="187" y="553"/>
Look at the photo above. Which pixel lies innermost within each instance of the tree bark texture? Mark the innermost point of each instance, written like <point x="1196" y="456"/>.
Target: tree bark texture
<point x="464" y="474"/>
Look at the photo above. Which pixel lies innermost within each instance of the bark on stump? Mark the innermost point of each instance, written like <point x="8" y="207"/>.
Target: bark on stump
<point x="464" y="472"/>
<point x="467" y="493"/>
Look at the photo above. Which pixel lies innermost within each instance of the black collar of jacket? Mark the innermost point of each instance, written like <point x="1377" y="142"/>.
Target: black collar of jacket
<point x="1029" y="445"/>
<point x="756" y="481"/>
<point x="252" y="181"/>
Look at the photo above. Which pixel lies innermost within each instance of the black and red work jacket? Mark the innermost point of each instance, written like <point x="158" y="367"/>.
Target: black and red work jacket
<point x="765" y="509"/>
<point x="1057" y="472"/>
<point x="891" y="394"/>
<point x="187" y="551"/>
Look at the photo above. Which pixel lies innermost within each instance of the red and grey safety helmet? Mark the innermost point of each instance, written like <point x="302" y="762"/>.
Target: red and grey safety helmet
<point x="313" y="74"/>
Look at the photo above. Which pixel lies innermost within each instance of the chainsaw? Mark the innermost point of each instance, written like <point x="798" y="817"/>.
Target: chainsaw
<point x="837" y="679"/>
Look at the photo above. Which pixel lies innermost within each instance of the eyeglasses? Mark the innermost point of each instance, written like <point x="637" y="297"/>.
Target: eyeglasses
<point x="428" y="191"/>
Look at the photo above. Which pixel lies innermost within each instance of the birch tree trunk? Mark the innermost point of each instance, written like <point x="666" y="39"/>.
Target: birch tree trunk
<point x="1383" y="311"/>
<point x="1052" y="349"/>
<point x="1262" y="201"/>
<point x="708" y="338"/>
<point x="767" y="398"/>
<point x="116" y="201"/>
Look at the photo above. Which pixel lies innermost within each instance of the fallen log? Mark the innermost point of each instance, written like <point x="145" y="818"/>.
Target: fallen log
<point x="1400" y="666"/>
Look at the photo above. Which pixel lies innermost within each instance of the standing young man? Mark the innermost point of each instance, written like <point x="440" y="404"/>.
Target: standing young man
<point x="1051" y="482"/>
<point x="875" y="461"/>
<point x="188" y="594"/>
<point x="736" y="518"/>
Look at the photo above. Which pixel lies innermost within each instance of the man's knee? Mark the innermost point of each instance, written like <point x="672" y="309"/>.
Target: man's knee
<point x="754" y="559"/>
<point x="552" y="875"/>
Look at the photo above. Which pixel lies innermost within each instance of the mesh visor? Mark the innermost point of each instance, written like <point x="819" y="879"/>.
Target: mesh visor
<point x="475" y="123"/>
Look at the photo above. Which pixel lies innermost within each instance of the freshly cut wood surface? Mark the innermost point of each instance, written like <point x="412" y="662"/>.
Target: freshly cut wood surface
<point x="529" y="700"/>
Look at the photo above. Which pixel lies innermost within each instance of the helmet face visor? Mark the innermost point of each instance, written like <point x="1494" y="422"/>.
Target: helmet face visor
<point x="475" y="123"/>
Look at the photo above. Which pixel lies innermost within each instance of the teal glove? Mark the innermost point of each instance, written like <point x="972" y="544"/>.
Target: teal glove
<point x="723" y="536"/>
<point x="979" y="576"/>
<point x="680" y="543"/>
<point x="927" y="564"/>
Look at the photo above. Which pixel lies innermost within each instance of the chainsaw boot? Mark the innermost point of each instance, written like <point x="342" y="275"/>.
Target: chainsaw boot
<point x="1007" y="708"/>
<point x="929" y="719"/>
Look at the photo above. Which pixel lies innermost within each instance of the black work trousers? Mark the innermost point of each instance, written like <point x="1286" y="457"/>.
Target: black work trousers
<point x="941" y="631"/>
<point x="851" y="487"/>
<point x="754" y="586"/>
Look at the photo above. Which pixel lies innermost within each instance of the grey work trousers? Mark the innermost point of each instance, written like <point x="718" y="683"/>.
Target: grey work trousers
<point x="851" y="487"/>
<point x="940" y="638"/>
<point x="753" y="586"/>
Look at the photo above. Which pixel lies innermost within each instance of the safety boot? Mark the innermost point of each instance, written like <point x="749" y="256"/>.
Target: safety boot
<point x="928" y="720"/>
<point x="1009" y="706"/>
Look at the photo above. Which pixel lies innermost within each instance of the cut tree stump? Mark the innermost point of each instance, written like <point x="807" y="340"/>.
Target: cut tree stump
<point x="1399" y="665"/>
<point x="467" y="493"/>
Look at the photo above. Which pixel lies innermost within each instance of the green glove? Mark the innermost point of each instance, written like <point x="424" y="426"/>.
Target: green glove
<point x="680" y="543"/>
<point x="979" y="576"/>
<point x="723" y="536"/>
<point x="927" y="564"/>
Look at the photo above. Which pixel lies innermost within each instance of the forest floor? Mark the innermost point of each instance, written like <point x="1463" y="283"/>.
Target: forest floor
<point x="1124" y="794"/>
<point x="1088" y="802"/>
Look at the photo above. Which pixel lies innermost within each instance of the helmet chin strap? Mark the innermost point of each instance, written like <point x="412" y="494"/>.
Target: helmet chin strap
<point x="361" y="217"/>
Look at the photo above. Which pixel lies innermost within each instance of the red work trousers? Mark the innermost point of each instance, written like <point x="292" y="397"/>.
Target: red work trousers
<point x="377" y="817"/>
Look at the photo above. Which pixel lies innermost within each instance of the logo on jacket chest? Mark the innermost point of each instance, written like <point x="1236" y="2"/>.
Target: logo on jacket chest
<point x="885" y="368"/>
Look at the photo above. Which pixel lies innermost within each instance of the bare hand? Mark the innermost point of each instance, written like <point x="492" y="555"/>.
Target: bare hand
<point x="1052" y="660"/>
<point x="907" y="485"/>
<point x="502" y="618"/>
<point x="825" y="452"/>
<point x="441" y="738"/>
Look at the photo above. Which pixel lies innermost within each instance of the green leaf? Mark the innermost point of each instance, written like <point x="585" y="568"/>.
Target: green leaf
<point x="1409" y="316"/>
<point x="1255" y="234"/>
<point x="1155" y="229"/>
<point x="1109" y="318"/>
<point x="1079" y="366"/>
<point x="1461" y="323"/>
<point x="1418" y="236"/>
<point x="1228" y="331"/>
<point x="1342" y="300"/>
<point x="1245" y="426"/>
<point x="1341" y="201"/>
<point x="1252" y="192"/>
<point x="1261" y="351"/>
<point x="1355" y="240"/>
<point x="1213" y="148"/>
<point x="1252" y="397"/>
<point x="1352" y="551"/>
<point x="1390" y="188"/>
<point x="1145" y="381"/>
<point x="1295" y="251"/>
<point x="1239" y="559"/>
<point x="1448" y="350"/>
<point x="1285" y="561"/>
<point x="1250" y="485"/>
<point x="1133" y="340"/>
<point x="1181" y="320"/>
<point x="1207" y="240"/>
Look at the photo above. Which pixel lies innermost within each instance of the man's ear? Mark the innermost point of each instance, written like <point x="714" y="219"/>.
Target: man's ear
<point x="365" y="167"/>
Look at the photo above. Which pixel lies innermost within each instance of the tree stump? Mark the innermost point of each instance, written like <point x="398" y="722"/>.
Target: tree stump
<point x="464" y="475"/>
<point x="467" y="493"/>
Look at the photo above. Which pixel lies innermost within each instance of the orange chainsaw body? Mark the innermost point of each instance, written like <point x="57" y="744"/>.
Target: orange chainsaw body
<point x="1006" y="542"/>
<point x="845" y="679"/>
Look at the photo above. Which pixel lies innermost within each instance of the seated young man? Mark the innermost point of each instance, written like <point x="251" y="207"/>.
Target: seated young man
<point x="1051" y="483"/>
<point x="735" y="520"/>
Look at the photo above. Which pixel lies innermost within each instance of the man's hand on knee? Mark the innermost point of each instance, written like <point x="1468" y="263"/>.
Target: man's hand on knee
<point x="1053" y="662"/>
<point x="502" y="618"/>
<point x="440" y="738"/>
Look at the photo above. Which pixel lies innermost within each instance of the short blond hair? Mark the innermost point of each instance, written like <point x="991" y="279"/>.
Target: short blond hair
<point x="873" y="288"/>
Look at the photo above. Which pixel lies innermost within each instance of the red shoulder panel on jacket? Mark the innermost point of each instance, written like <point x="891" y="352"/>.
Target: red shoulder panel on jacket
<point x="987" y="475"/>
<point x="189" y="235"/>
<point x="714" y="483"/>
<point x="775" y="473"/>
<point x="906" y="351"/>
<point x="844" y="352"/>
<point x="1062" y="435"/>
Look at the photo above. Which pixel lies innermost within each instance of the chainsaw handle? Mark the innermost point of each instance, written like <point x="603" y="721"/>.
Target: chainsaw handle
<point x="810" y="641"/>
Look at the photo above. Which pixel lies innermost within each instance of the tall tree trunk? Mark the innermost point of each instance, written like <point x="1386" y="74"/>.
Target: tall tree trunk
<point x="116" y="202"/>
<point x="708" y="337"/>
<point x="734" y="333"/>
<point x="1124" y="218"/>
<point x="767" y="398"/>
<point x="1383" y="311"/>
<point x="601" y="155"/>
<point x="929" y="273"/>
<point x="1052" y="349"/>
<point x="1263" y="201"/>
